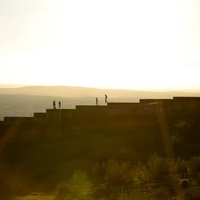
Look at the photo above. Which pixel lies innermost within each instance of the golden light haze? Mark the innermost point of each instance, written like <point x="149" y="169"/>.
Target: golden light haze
<point x="126" y="44"/>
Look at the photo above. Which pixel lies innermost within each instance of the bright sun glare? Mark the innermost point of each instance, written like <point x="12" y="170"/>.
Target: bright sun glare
<point x="107" y="44"/>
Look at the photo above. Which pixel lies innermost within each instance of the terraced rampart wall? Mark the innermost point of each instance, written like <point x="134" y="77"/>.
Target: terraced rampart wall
<point x="55" y="122"/>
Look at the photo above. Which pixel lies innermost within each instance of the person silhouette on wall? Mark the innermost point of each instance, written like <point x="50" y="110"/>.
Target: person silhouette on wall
<point x="54" y="104"/>
<point x="59" y="103"/>
<point x="106" y="98"/>
<point x="97" y="101"/>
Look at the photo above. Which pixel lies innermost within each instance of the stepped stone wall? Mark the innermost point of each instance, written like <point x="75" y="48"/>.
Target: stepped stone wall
<point x="55" y="122"/>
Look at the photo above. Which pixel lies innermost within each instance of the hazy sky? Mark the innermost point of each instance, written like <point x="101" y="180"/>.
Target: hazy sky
<point x="138" y="44"/>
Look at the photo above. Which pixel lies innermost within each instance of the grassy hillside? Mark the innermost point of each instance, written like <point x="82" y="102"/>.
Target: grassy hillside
<point x="43" y="165"/>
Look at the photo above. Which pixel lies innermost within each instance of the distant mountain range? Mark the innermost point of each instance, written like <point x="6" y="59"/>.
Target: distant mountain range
<point x="73" y="91"/>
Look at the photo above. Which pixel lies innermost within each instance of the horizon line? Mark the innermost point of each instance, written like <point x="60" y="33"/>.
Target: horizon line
<point x="14" y="86"/>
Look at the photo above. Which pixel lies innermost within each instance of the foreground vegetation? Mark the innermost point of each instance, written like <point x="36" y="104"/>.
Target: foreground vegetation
<point x="119" y="162"/>
<point x="160" y="178"/>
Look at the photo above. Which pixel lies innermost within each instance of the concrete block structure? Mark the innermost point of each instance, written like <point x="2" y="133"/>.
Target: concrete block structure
<point x="57" y="122"/>
<point x="53" y="122"/>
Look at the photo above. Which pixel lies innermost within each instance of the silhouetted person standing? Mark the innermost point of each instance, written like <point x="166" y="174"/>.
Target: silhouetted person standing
<point x="59" y="103"/>
<point x="106" y="98"/>
<point x="97" y="102"/>
<point x="54" y="104"/>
